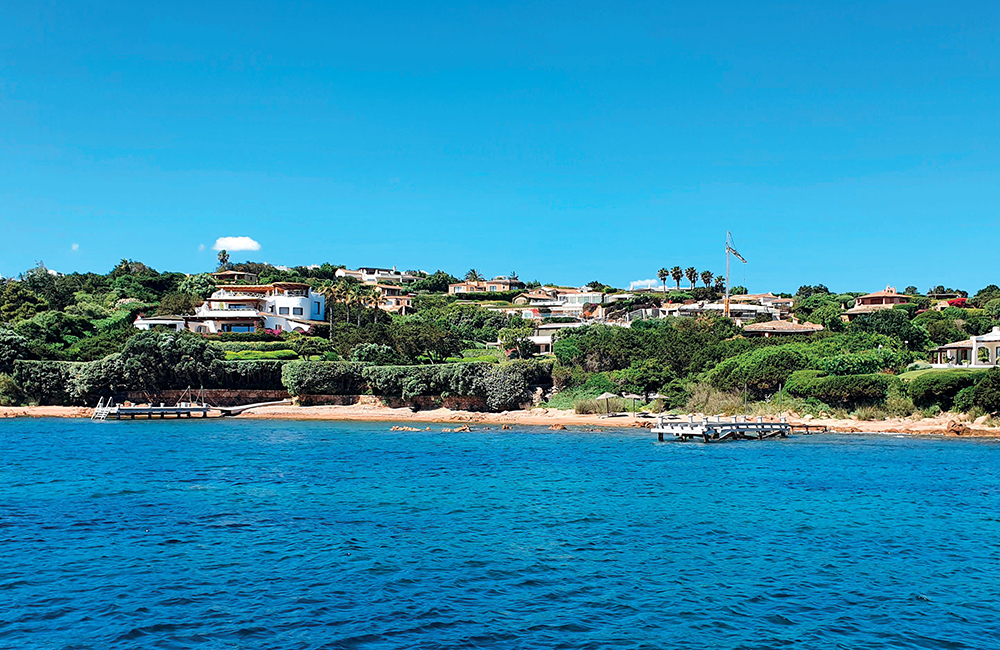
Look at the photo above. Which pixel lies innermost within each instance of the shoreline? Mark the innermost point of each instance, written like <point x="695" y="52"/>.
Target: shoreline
<point x="944" y="425"/>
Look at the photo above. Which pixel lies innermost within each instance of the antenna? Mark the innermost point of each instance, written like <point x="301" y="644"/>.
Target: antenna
<point x="730" y="250"/>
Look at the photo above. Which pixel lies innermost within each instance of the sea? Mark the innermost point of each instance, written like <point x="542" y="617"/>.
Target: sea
<point x="270" y="534"/>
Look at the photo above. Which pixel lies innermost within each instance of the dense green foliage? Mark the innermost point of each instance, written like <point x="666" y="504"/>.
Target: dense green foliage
<point x="70" y="338"/>
<point x="940" y="388"/>
<point x="503" y="386"/>
<point x="841" y="390"/>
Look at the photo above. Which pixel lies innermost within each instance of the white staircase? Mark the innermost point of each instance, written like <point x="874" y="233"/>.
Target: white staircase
<point x="101" y="410"/>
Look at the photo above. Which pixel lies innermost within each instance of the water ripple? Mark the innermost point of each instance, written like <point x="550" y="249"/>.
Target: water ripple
<point x="326" y="535"/>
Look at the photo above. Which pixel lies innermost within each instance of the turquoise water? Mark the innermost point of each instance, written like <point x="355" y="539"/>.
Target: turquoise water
<point x="251" y="534"/>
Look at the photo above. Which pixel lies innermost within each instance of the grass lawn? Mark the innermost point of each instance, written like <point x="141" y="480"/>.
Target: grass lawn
<point x="913" y="374"/>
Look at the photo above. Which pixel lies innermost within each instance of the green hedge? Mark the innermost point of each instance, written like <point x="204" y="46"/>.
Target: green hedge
<point x="323" y="378"/>
<point x="939" y="388"/>
<point x="503" y="387"/>
<point x="865" y="363"/>
<point x="247" y="375"/>
<point x="254" y="355"/>
<point x="257" y="346"/>
<point x="49" y="382"/>
<point x="841" y="390"/>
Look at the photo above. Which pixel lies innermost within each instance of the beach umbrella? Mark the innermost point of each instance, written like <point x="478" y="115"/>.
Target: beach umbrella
<point x="633" y="397"/>
<point x="607" y="400"/>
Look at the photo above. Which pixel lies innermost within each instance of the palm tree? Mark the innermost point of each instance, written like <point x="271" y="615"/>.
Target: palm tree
<point x="676" y="273"/>
<point x="692" y="275"/>
<point x="663" y="274"/>
<point x="474" y="276"/>
<point x="331" y="293"/>
<point x="359" y="297"/>
<point x="342" y="293"/>
<point x="706" y="278"/>
<point x="373" y="299"/>
<point x="720" y="283"/>
<point x="223" y="259"/>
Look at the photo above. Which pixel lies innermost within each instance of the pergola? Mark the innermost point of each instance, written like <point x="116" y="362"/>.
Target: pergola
<point x="958" y="353"/>
<point x="989" y="342"/>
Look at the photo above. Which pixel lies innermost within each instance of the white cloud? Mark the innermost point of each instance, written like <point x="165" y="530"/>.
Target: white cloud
<point x="644" y="284"/>
<point x="201" y="247"/>
<point x="235" y="244"/>
<point x="75" y="247"/>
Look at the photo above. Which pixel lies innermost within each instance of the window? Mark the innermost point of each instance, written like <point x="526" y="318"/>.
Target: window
<point x="315" y="307"/>
<point x="297" y="311"/>
<point x="283" y="311"/>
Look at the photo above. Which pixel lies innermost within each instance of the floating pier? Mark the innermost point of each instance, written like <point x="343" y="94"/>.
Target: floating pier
<point x="720" y="429"/>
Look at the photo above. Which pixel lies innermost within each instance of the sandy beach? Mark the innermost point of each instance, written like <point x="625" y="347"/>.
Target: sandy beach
<point x="946" y="424"/>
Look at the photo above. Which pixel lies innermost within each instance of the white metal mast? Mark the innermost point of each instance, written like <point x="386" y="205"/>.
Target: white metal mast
<point x="730" y="249"/>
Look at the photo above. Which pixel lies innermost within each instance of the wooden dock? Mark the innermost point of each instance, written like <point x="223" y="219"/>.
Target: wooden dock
<point x="111" y="411"/>
<point x="720" y="429"/>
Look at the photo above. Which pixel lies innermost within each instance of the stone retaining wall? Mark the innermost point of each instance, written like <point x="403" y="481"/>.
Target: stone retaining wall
<point x="423" y="402"/>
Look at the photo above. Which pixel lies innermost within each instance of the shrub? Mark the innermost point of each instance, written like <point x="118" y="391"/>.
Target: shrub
<point x="376" y="353"/>
<point x="13" y="346"/>
<point x="761" y="371"/>
<point x="863" y="363"/>
<point x="10" y="393"/>
<point x="162" y="360"/>
<point x="965" y="399"/>
<point x="711" y="401"/>
<point x="48" y="382"/>
<point x="986" y="394"/>
<point x="891" y="322"/>
<point x="843" y="390"/>
<point x="940" y="388"/>
<point x="596" y="406"/>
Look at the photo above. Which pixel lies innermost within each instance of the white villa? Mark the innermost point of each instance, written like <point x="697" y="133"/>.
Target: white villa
<point x="977" y="352"/>
<point x="375" y="275"/>
<point x="282" y="306"/>
<point x="741" y="313"/>
<point x="548" y="302"/>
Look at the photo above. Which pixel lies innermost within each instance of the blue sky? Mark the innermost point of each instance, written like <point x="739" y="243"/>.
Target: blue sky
<point x="853" y="144"/>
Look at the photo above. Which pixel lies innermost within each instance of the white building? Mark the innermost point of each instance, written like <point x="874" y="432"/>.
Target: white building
<point x="282" y="306"/>
<point x="374" y="275"/>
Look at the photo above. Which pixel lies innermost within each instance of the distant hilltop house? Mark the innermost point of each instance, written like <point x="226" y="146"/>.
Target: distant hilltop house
<point x="740" y="313"/>
<point x="885" y="299"/>
<point x="780" y="328"/>
<point x="783" y="305"/>
<point x="552" y="302"/>
<point x="500" y="283"/>
<point x="542" y="336"/>
<point x="393" y="299"/>
<point x="282" y="306"/>
<point x="223" y="277"/>
<point x="375" y="275"/>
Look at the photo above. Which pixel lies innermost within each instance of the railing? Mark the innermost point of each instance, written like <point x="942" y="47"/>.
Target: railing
<point x="241" y="294"/>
